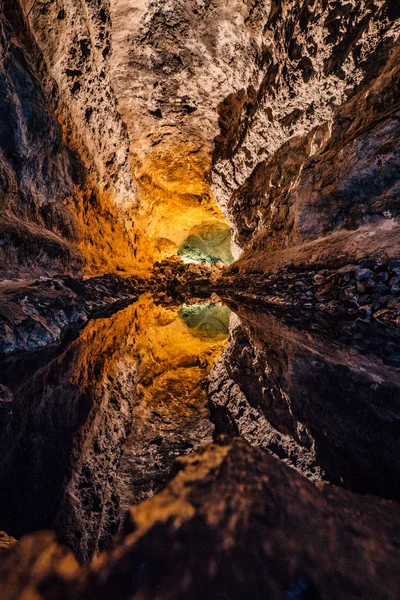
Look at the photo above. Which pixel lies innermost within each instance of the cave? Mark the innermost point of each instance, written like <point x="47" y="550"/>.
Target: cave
<point x="199" y="300"/>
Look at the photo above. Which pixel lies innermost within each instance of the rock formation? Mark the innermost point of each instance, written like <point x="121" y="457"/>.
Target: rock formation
<point x="137" y="139"/>
<point x="233" y="522"/>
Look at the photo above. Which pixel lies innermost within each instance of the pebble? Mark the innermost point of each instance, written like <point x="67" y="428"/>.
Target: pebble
<point x="362" y="274"/>
<point x="319" y="279"/>
<point x="394" y="264"/>
<point x="361" y="288"/>
<point x="381" y="277"/>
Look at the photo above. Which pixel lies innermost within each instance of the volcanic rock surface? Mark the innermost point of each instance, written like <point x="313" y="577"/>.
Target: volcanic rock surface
<point x="261" y="531"/>
<point x="132" y="133"/>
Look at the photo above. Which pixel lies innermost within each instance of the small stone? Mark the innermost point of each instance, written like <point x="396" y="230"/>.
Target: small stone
<point x="395" y="303"/>
<point x="366" y="309"/>
<point x="394" y="264"/>
<point x="369" y="263"/>
<point x="319" y="279"/>
<point x="362" y="274"/>
<point x="393" y="361"/>
<point x="350" y="295"/>
<point x="381" y="277"/>
<point x="361" y="288"/>
<point x="381" y="288"/>
<point x="386" y="299"/>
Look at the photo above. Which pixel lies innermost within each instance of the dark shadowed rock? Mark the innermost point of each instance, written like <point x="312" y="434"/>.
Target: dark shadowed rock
<point x="232" y="523"/>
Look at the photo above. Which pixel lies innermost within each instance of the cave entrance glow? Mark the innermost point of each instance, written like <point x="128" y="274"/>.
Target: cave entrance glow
<point x="207" y="243"/>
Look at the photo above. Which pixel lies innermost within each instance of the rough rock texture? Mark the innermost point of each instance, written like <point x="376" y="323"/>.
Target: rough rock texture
<point x="92" y="425"/>
<point x="61" y="442"/>
<point x="128" y="129"/>
<point x="169" y="407"/>
<point x="64" y="149"/>
<point x="261" y="531"/>
<point x="368" y="290"/>
<point x="313" y="148"/>
<point x="6" y="541"/>
<point x="172" y="64"/>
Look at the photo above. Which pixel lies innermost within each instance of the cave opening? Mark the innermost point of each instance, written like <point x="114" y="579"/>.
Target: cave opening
<point x="207" y="243"/>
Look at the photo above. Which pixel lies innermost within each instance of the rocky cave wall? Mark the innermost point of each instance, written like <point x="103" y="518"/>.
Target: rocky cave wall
<point x="126" y="127"/>
<point x="66" y="175"/>
<point x="313" y="147"/>
<point x="253" y="109"/>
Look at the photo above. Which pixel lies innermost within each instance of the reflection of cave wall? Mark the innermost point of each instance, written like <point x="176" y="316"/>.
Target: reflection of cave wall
<point x="324" y="408"/>
<point x="206" y="320"/>
<point x="207" y="243"/>
<point x="61" y="444"/>
<point x="170" y="416"/>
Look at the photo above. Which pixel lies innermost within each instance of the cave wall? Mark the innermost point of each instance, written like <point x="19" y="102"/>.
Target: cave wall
<point x="65" y="150"/>
<point x="172" y="64"/>
<point x="313" y="148"/>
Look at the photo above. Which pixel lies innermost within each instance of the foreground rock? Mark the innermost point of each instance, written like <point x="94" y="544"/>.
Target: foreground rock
<point x="233" y="523"/>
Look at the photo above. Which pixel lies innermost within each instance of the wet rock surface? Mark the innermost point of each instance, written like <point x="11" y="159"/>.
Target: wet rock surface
<point x="62" y="439"/>
<point x="261" y="530"/>
<point x="366" y="291"/>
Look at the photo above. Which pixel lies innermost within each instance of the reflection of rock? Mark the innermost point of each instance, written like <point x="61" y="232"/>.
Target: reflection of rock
<point x="37" y="314"/>
<point x="6" y="541"/>
<point x="314" y="401"/>
<point x="206" y="320"/>
<point x="232" y="523"/>
<point x="60" y="454"/>
<point x="65" y="418"/>
<point x="170" y="415"/>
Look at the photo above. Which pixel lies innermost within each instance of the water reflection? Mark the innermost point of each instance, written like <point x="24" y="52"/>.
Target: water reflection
<point x="207" y="321"/>
<point x="96" y="424"/>
<point x="175" y="352"/>
<point x="319" y="394"/>
<point x="137" y="375"/>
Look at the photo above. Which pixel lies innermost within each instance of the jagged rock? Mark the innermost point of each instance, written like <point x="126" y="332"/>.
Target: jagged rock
<point x="232" y="523"/>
